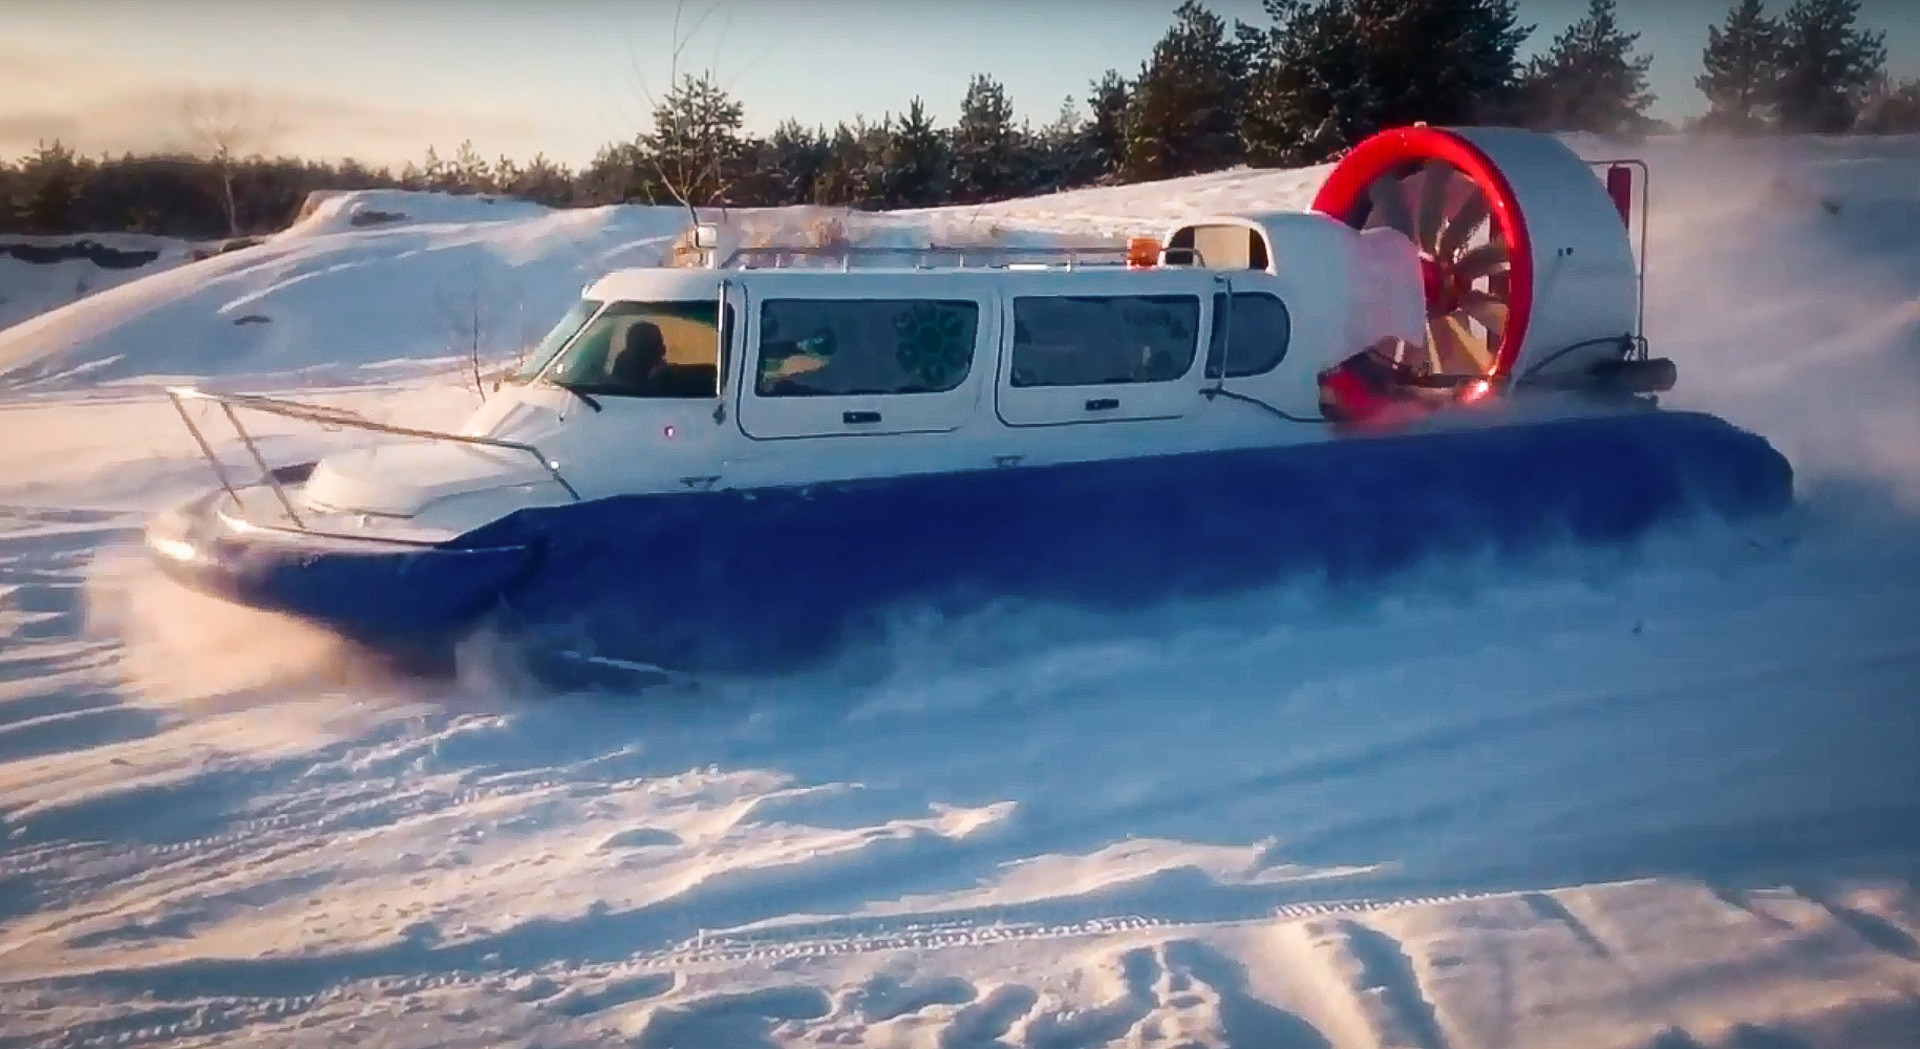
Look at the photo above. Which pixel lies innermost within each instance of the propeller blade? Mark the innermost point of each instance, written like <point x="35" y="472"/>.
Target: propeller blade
<point x="1461" y="228"/>
<point x="1461" y="344"/>
<point x="1435" y="177"/>
<point x="1481" y="262"/>
<point x="1489" y="310"/>
<point x="1389" y="205"/>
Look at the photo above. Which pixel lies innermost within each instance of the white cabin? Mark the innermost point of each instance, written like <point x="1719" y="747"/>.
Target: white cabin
<point x="678" y="380"/>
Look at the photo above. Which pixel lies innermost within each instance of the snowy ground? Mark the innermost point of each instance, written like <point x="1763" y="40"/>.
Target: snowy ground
<point x="1661" y="799"/>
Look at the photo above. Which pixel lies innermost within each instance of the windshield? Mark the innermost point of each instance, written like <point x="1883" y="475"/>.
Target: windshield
<point x="645" y="349"/>
<point x="573" y="321"/>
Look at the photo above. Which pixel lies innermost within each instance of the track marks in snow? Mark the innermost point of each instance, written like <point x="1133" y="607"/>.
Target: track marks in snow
<point x="92" y="721"/>
<point x="1178" y="992"/>
<point x="1876" y="930"/>
<point x="1386" y="986"/>
<point x="885" y="997"/>
<point x="1112" y="981"/>
<point x="1546" y="908"/>
<point x="584" y="1000"/>
<point x="985" y="1023"/>
<point x="747" y="1020"/>
<point x="1132" y="975"/>
<point x="43" y="556"/>
<point x="1174" y="993"/>
<point x="1244" y="1018"/>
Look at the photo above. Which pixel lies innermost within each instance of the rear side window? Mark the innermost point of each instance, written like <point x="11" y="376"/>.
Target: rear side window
<point x="846" y="347"/>
<point x="1253" y="340"/>
<point x="1094" y="340"/>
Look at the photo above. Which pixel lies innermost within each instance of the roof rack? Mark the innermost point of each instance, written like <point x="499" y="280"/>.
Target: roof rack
<point x="961" y="256"/>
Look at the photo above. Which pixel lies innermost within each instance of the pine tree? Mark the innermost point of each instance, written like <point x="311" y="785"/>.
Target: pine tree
<point x="612" y="177"/>
<point x="505" y="174"/>
<point x="50" y="190"/>
<point x="853" y="174"/>
<point x="1060" y="153"/>
<point x="469" y="172"/>
<point x="1891" y="108"/>
<point x="431" y="174"/>
<point x="1314" y="93"/>
<point x="1331" y="72"/>
<point x="543" y="181"/>
<point x="1827" y="65"/>
<point x="695" y="147"/>
<point x="788" y="163"/>
<point x="1184" y="116"/>
<point x="914" y="162"/>
<point x="1106" y="132"/>
<point x="1742" y="76"/>
<point x="987" y="147"/>
<point x="1590" y="79"/>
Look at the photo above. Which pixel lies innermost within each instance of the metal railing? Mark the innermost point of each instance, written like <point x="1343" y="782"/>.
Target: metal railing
<point x="987" y="255"/>
<point x="327" y="418"/>
<point x="1640" y="258"/>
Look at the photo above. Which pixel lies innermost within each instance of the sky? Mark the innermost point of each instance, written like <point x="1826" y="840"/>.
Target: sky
<point x="382" y="80"/>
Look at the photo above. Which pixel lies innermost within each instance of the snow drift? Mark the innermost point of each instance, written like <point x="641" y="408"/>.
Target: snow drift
<point x="38" y="274"/>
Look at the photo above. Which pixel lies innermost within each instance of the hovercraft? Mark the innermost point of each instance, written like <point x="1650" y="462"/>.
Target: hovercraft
<point x="736" y="463"/>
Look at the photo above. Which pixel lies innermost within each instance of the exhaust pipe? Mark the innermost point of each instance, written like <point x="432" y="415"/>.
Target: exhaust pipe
<point x="1654" y="375"/>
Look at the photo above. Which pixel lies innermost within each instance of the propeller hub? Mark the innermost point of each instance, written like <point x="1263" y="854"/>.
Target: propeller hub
<point x="1436" y="285"/>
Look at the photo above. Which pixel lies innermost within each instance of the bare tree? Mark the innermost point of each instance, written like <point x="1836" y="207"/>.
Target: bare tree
<point x="484" y="321"/>
<point x="695" y="144"/>
<point x="463" y="316"/>
<point x="227" y="126"/>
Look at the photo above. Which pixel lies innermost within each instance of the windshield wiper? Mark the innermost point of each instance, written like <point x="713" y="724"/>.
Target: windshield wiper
<point x="584" y="396"/>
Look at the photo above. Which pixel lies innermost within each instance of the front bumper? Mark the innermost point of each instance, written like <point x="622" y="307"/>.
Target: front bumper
<point x="367" y="588"/>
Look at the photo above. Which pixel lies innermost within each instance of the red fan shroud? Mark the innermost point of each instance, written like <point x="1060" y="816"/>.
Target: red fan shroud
<point x="1476" y="261"/>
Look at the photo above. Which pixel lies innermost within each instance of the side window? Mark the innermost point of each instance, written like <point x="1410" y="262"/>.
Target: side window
<point x="1254" y="339"/>
<point x="845" y="347"/>
<point x="1091" y="340"/>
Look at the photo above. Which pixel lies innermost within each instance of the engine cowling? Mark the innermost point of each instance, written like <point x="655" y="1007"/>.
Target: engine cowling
<point x="1527" y="268"/>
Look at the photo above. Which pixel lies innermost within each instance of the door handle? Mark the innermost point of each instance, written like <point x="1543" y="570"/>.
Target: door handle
<point x="854" y="418"/>
<point x="1101" y="404"/>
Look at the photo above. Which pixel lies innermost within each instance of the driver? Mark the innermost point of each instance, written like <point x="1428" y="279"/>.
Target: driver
<point x="642" y="362"/>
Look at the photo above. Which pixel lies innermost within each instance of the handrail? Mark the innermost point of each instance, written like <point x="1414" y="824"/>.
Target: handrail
<point x="324" y="416"/>
<point x="1640" y="261"/>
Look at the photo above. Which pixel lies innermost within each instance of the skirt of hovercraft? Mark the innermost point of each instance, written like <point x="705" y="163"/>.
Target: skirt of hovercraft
<point x="769" y="578"/>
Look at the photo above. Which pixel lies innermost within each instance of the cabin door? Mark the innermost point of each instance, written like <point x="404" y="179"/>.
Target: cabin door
<point x="734" y="313"/>
<point x="836" y="354"/>
<point x="1095" y="346"/>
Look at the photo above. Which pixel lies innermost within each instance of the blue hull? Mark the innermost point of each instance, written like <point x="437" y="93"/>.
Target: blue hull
<point x="772" y="577"/>
<point x="380" y="593"/>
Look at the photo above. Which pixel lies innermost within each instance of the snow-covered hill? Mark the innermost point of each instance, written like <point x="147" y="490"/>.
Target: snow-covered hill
<point x="38" y="274"/>
<point x="1660" y="799"/>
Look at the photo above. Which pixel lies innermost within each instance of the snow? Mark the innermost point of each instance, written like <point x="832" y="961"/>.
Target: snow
<point x="1657" y="798"/>
<point x="30" y="285"/>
